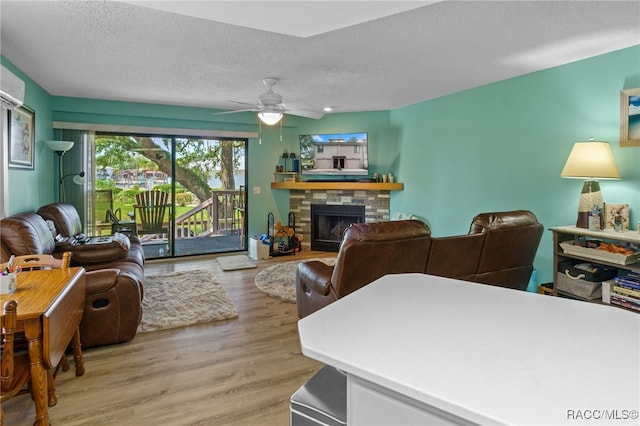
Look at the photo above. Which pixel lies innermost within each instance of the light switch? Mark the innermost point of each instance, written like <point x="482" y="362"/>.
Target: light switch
<point x="256" y="190"/>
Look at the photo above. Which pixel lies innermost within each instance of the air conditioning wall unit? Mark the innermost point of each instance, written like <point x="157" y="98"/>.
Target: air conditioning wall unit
<point x="11" y="89"/>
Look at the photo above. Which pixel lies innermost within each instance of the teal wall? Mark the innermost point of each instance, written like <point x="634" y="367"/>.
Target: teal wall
<point x="496" y="147"/>
<point x="29" y="189"/>
<point x="503" y="146"/>
<point x="262" y="157"/>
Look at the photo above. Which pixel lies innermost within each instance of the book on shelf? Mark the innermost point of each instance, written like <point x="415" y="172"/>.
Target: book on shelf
<point x="626" y="291"/>
<point x="630" y="281"/>
<point x="633" y="276"/>
<point x="627" y="302"/>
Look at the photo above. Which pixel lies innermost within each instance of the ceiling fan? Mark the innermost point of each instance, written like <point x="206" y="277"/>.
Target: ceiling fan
<point x="270" y="107"/>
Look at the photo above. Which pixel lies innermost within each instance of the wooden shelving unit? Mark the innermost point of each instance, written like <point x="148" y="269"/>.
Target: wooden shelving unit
<point x="365" y="186"/>
<point x="567" y="233"/>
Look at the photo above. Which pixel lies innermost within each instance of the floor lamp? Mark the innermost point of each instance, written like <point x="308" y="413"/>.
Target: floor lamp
<point x="60" y="148"/>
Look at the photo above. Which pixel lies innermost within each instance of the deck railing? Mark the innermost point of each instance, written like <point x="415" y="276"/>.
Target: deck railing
<point x="223" y="213"/>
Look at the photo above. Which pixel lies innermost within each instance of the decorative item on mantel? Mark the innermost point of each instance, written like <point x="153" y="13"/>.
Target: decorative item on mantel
<point x="590" y="161"/>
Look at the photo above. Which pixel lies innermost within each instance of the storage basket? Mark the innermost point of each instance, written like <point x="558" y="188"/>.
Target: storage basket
<point x="577" y="287"/>
<point x="570" y="247"/>
<point x="587" y="271"/>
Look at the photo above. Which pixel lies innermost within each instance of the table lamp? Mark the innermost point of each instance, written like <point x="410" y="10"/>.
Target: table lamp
<point x="590" y="161"/>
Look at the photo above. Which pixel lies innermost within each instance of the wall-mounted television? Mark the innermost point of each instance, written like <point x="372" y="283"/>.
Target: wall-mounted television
<point x="344" y="154"/>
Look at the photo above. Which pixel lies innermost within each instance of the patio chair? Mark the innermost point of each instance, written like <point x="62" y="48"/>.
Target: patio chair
<point x="150" y="212"/>
<point x="127" y="227"/>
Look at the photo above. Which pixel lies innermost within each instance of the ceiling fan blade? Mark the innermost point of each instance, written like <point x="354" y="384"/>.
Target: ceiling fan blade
<point x="307" y="113"/>
<point x="272" y="102"/>
<point x="235" y="111"/>
<point x="241" y="103"/>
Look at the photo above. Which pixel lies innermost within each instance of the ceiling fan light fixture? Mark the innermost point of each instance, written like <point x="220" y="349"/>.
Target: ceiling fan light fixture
<point x="270" y="118"/>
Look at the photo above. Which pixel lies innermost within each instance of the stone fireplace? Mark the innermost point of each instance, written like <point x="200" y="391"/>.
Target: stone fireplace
<point x="328" y="222"/>
<point x="376" y="205"/>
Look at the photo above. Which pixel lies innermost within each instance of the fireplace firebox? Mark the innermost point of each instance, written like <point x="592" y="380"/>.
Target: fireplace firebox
<point x="328" y="222"/>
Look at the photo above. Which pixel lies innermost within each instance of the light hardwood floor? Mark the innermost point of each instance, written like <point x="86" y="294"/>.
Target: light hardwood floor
<point x="235" y="372"/>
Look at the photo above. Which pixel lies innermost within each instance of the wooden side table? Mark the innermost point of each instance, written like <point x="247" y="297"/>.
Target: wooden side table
<point x="50" y="308"/>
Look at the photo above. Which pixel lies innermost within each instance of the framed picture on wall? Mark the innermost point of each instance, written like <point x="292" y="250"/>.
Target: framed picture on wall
<point x="630" y="117"/>
<point x="21" y="137"/>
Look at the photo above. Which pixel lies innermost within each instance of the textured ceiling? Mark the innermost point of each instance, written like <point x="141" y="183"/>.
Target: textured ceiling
<point x="368" y="58"/>
<point x="296" y="18"/>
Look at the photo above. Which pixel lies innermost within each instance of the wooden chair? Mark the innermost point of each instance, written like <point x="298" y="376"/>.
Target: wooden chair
<point x="15" y="371"/>
<point x="32" y="262"/>
<point x="150" y="212"/>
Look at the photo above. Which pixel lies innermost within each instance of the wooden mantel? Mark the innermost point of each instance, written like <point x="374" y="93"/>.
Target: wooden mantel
<point x="363" y="186"/>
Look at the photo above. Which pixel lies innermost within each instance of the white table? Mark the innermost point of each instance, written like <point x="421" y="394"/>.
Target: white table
<point x="419" y="349"/>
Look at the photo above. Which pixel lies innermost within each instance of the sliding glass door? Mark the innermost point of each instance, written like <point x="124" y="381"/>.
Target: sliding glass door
<point x="181" y="196"/>
<point x="210" y="195"/>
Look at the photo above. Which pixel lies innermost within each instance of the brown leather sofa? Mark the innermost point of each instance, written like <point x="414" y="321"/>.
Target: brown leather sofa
<point x="498" y="250"/>
<point x="115" y="271"/>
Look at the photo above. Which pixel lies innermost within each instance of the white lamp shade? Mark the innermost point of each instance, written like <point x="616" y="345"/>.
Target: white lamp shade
<point x="269" y="118"/>
<point x="591" y="160"/>
<point x="60" y="146"/>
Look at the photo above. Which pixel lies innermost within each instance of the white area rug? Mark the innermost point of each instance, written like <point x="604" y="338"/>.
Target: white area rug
<point x="279" y="280"/>
<point x="233" y="263"/>
<point x="184" y="298"/>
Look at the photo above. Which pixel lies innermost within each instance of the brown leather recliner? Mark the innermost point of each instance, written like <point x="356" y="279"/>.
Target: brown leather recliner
<point x="510" y="245"/>
<point x="113" y="291"/>
<point x="67" y="223"/>
<point x="367" y="252"/>
<point x="498" y="250"/>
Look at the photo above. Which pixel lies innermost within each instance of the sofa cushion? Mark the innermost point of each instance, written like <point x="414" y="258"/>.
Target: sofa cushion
<point x="484" y="222"/>
<point x="455" y="256"/>
<point x="64" y="216"/>
<point x="25" y="233"/>
<point x="386" y="231"/>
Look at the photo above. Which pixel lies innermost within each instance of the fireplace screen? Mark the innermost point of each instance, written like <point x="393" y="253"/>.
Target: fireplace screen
<point x="328" y="223"/>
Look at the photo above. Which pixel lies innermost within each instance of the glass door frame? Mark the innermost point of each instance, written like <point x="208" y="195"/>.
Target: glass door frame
<point x="170" y="250"/>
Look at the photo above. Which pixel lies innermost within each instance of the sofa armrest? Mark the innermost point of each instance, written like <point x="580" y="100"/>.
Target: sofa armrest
<point x="113" y="248"/>
<point x="315" y="275"/>
<point x="101" y="280"/>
